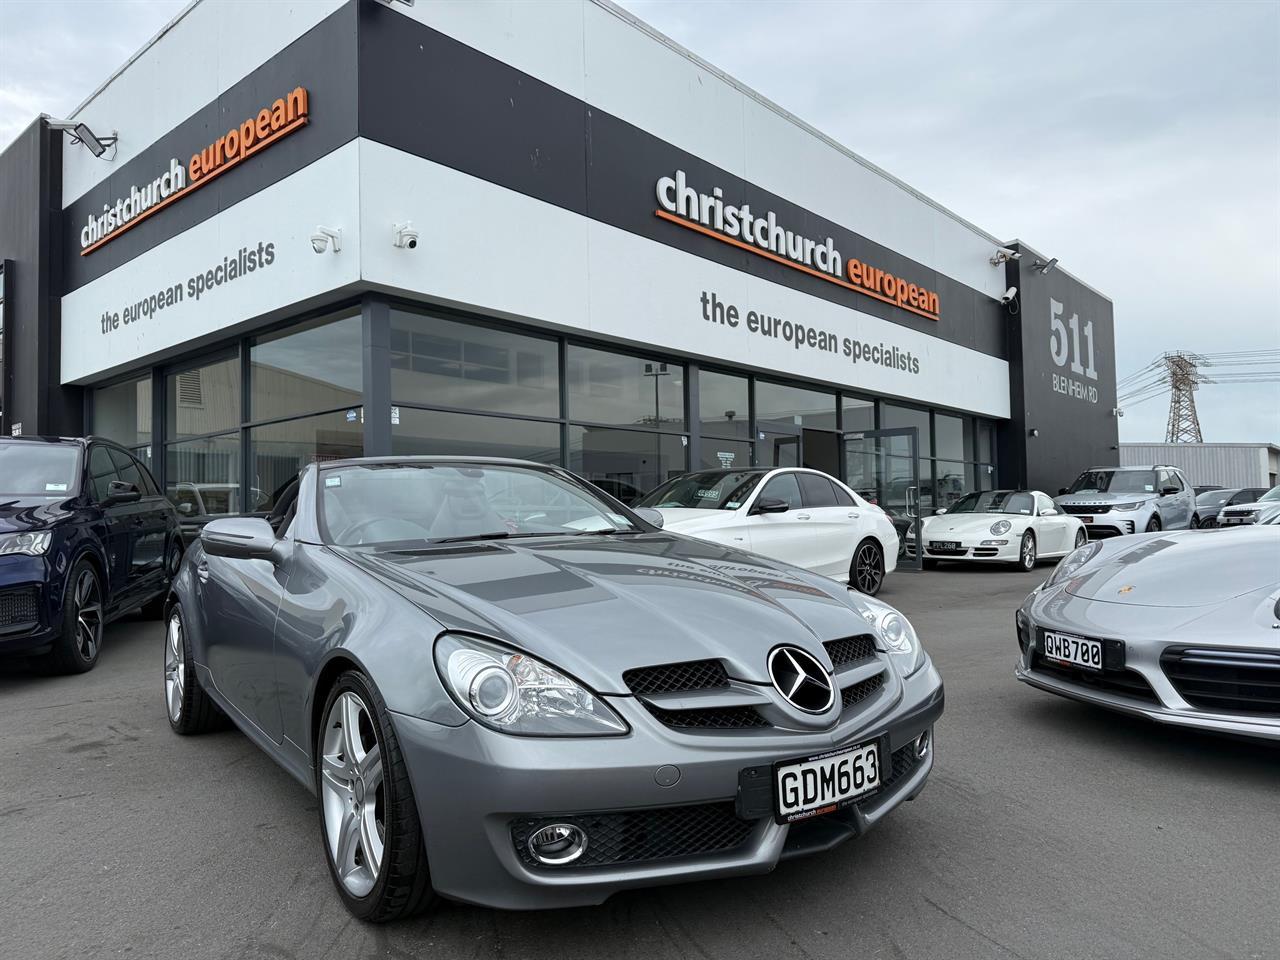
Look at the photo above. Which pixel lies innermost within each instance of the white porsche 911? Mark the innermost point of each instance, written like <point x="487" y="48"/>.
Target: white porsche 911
<point x="1016" y="527"/>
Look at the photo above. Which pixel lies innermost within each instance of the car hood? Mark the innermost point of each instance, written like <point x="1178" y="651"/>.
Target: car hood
<point x="598" y="606"/>
<point x="690" y="520"/>
<point x="20" y="514"/>
<point x="1093" y="498"/>
<point x="1191" y="568"/>
<point x="949" y="525"/>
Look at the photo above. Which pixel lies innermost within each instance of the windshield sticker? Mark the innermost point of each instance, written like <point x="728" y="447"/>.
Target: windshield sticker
<point x="1149" y="488"/>
<point x="732" y="505"/>
<point x="333" y="481"/>
<point x="55" y="488"/>
<point x="619" y="520"/>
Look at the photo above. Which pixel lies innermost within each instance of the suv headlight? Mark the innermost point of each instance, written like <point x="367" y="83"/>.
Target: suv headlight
<point x="999" y="527"/>
<point x="1126" y="507"/>
<point x="897" y="633"/>
<point x="1072" y="562"/>
<point x="32" y="544"/>
<point x="512" y="692"/>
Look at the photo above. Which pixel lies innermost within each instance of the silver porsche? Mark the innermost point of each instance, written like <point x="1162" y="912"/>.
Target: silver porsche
<point x="1182" y="628"/>
<point x="507" y="688"/>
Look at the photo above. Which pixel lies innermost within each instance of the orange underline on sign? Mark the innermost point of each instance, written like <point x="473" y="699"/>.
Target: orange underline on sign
<point x="768" y="255"/>
<point x="257" y="145"/>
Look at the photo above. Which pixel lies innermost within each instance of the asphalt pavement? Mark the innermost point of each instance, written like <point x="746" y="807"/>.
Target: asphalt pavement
<point x="1048" y="830"/>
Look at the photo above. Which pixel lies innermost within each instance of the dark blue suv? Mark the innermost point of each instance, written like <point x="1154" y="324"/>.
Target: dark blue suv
<point x="85" y="536"/>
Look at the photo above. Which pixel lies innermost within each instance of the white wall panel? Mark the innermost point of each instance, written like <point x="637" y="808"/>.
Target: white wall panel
<point x="216" y="44"/>
<point x="286" y="214"/>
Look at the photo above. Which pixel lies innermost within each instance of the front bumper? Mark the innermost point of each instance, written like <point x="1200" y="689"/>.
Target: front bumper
<point x="1141" y="690"/>
<point x="972" y="550"/>
<point x="474" y="787"/>
<point x="25" y="627"/>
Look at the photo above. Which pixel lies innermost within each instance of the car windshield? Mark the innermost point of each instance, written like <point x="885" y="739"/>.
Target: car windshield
<point x="1115" y="481"/>
<point x="406" y="505"/>
<point x="710" y="490"/>
<point x="29" y="469"/>
<point x="994" y="501"/>
<point x="1272" y="494"/>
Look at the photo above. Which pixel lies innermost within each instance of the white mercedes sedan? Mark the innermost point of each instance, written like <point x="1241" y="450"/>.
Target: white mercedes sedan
<point x="1016" y="527"/>
<point x="802" y="517"/>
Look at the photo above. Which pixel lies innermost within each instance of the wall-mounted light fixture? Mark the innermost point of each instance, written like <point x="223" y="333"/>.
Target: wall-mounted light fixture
<point x="1033" y="432"/>
<point x="80" y="133"/>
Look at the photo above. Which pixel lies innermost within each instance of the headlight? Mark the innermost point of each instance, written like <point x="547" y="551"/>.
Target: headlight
<point x="1072" y="562"/>
<point x="897" y="633"/>
<point x="32" y="544"/>
<point x="999" y="527"/>
<point x="512" y="692"/>
<point x="1126" y="507"/>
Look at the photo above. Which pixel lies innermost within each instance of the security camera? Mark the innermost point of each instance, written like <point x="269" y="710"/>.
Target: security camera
<point x="1044" y="267"/>
<point x="406" y="236"/>
<point x="1009" y="295"/>
<point x="323" y="236"/>
<point x="1004" y="255"/>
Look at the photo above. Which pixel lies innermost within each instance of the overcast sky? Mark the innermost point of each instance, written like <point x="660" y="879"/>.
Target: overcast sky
<point x="1137" y="142"/>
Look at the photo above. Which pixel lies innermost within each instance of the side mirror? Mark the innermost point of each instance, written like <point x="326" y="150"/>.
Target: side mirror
<point x="940" y="511"/>
<point x="1168" y="491"/>
<point x="186" y="508"/>
<point x="770" y="505"/>
<point x="1062" y="491"/>
<point x="650" y="515"/>
<point x="1048" y="512"/>
<point x="120" y="491"/>
<point x="239" y="538"/>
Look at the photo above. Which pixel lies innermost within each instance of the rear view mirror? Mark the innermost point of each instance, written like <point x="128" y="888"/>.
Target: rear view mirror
<point x="118" y="491"/>
<point x="650" y="515"/>
<point x="1048" y="512"/>
<point x="770" y="505"/>
<point x="1168" y="491"/>
<point x="239" y="538"/>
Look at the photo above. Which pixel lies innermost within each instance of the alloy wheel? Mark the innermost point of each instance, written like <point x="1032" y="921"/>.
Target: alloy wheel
<point x="88" y="611"/>
<point x="175" y="671"/>
<point x="354" y="794"/>
<point x="1080" y="539"/>
<point x="1153" y="524"/>
<point x="868" y="569"/>
<point x="1028" y="553"/>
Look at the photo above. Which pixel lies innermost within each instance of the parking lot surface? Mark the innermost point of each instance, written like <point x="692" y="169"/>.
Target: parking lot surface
<point x="1048" y="829"/>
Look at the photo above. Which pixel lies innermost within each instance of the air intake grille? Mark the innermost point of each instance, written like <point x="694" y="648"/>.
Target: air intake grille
<point x="644" y="835"/>
<point x="676" y="677"/>
<point x="18" y="606"/>
<point x="714" y="718"/>
<point x="851" y="650"/>
<point x="859" y="691"/>
<point x="1229" y="681"/>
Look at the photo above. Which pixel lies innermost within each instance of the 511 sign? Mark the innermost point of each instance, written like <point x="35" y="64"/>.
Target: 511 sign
<point x="1064" y="347"/>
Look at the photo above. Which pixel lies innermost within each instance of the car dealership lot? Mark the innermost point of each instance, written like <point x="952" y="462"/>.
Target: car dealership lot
<point x="1048" y="829"/>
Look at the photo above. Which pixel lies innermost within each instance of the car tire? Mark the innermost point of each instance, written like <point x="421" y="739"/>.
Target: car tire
<point x="356" y="816"/>
<point x="1195" y="521"/>
<point x="866" y="571"/>
<point x="1081" y="539"/>
<point x="189" y="708"/>
<point x="76" y="648"/>
<point x="1153" y="525"/>
<point x="1027" y="556"/>
<point x="154" y="609"/>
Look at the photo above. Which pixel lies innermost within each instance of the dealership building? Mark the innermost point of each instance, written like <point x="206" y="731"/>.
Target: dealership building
<point x="538" y="230"/>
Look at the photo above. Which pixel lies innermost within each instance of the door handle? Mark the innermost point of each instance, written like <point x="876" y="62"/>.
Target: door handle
<point x="853" y="516"/>
<point x="202" y="571"/>
<point x="802" y="516"/>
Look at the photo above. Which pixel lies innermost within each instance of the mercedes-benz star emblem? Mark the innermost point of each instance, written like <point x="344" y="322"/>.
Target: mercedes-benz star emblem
<point x="801" y="679"/>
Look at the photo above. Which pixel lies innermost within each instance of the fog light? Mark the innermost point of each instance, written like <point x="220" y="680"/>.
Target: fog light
<point x="994" y="543"/>
<point x="922" y="745"/>
<point x="557" y="844"/>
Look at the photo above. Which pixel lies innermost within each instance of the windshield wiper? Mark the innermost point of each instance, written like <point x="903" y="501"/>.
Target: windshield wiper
<point x="610" y="532"/>
<point x="495" y="535"/>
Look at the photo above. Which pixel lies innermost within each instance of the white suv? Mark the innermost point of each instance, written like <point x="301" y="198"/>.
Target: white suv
<point x="1114" y="501"/>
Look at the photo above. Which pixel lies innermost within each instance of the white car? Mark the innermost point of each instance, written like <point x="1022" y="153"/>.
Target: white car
<point x="801" y="517"/>
<point x="1017" y="527"/>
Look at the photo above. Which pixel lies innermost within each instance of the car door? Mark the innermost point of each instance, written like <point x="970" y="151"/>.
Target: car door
<point x="1174" y="510"/>
<point x="147" y="527"/>
<point x="116" y="531"/>
<point x="237" y="603"/>
<point x="782" y="536"/>
<point x="1051" y="530"/>
<point x="831" y="534"/>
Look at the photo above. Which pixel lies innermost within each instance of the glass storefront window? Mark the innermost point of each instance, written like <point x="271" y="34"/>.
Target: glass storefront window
<point x="611" y="388"/>
<point x="985" y="476"/>
<point x="203" y="399"/>
<point x="986" y="441"/>
<point x="951" y="437"/>
<point x="434" y="432"/>
<point x="859" y="415"/>
<point x="202" y="477"/>
<point x="777" y="404"/>
<point x="719" y="454"/>
<point x="122" y="412"/>
<point x="319" y="367"/>
<point x="278" y="451"/>
<point x="724" y="404"/>
<point x="952" y="480"/>
<point x="625" y="463"/>
<point x="893" y="416"/>
<point x="445" y="363"/>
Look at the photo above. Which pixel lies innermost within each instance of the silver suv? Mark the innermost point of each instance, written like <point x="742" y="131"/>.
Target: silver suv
<point x="1261" y="511"/>
<point x="1114" y="501"/>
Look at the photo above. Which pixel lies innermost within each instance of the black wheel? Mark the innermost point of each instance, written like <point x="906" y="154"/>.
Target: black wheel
<point x="1154" y="523"/>
<point x="1027" y="552"/>
<point x="83" y="617"/>
<point x="1081" y="538"/>
<point x="866" y="572"/>
<point x="368" y="820"/>
<point x="154" y="610"/>
<point x="1195" y="521"/>
<point x="190" y="709"/>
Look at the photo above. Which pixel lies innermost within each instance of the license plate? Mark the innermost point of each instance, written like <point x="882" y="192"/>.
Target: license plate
<point x="825" y="783"/>
<point x="1086" y="519"/>
<point x="1076" y="651"/>
<point x="944" y="544"/>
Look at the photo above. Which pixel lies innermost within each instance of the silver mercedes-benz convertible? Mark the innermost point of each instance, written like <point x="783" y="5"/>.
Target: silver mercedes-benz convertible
<point x="507" y="688"/>
<point x="1182" y="628"/>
